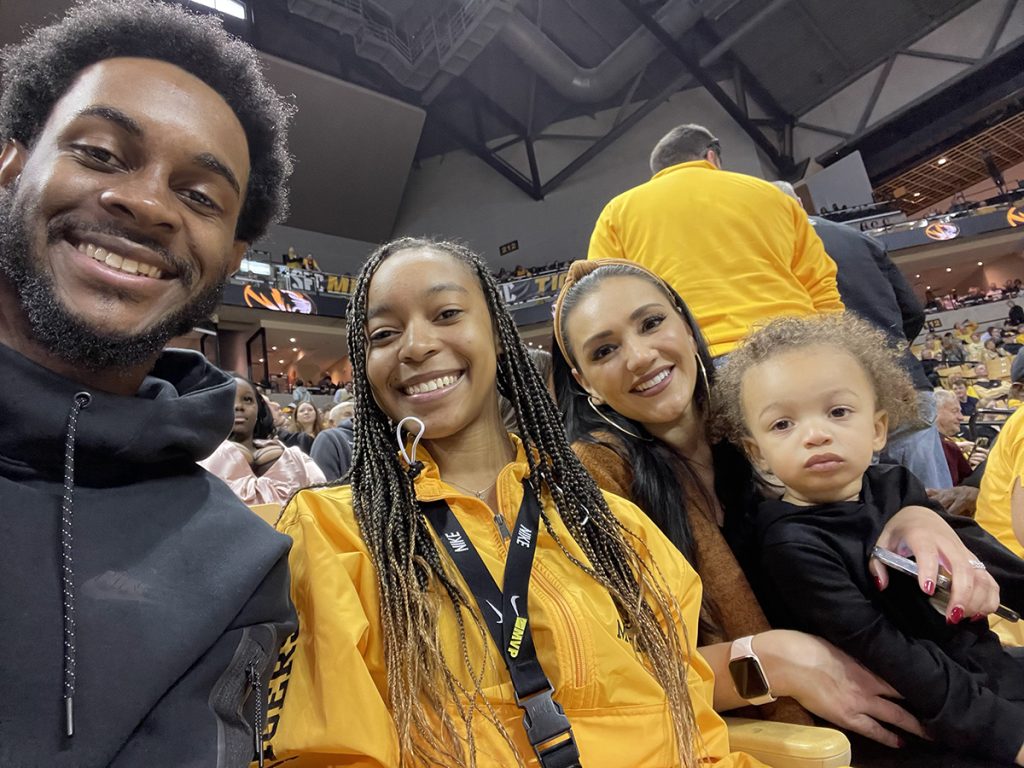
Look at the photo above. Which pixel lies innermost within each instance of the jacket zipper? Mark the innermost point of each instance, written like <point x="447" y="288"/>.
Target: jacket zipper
<point x="253" y="674"/>
<point x="502" y="526"/>
<point x="563" y="609"/>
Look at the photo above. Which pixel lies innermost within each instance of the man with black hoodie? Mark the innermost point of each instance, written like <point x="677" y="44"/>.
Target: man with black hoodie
<point x="142" y="605"/>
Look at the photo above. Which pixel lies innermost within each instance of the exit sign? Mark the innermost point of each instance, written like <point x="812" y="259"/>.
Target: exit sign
<point x="507" y="248"/>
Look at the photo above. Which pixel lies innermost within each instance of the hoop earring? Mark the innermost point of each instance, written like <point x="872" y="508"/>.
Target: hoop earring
<point x="704" y="376"/>
<point x="590" y="399"/>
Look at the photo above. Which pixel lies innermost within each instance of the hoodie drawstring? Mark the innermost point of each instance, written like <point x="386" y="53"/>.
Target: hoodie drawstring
<point x="82" y="400"/>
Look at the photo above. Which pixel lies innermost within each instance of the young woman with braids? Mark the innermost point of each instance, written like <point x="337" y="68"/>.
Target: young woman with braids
<point x="394" y="664"/>
<point x="634" y="379"/>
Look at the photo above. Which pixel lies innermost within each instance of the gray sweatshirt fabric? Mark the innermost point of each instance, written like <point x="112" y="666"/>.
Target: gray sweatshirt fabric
<point x="180" y="596"/>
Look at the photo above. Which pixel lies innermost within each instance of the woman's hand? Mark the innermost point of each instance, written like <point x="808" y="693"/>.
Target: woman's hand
<point x="918" y="531"/>
<point x="832" y="685"/>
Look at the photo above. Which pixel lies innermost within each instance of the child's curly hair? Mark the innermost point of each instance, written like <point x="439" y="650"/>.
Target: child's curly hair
<point x="877" y="353"/>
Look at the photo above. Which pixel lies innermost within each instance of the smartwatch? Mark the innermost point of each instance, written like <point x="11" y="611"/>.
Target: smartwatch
<point x="748" y="676"/>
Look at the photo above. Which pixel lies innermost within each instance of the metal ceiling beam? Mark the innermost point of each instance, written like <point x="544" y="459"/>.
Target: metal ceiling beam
<point x="783" y="164"/>
<point x="737" y="34"/>
<point x="1000" y="27"/>
<point x="751" y="84"/>
<point x="480" y="150"/>
<point x="939" y="56"/>
<point x="620" y="128"/>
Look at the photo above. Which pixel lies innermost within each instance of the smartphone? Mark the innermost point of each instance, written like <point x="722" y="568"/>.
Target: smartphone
<point x="942" y="583"/>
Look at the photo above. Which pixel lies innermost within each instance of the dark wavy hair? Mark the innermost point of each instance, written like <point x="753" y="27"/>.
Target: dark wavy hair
<point x="38" y="71"/>
<point x="656" y="486"/>
<point x="658" y="472"/>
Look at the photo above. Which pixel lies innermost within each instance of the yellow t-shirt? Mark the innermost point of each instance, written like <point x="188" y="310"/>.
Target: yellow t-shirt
<point x="735" y="248"/>
<point x="1005" y="467"/>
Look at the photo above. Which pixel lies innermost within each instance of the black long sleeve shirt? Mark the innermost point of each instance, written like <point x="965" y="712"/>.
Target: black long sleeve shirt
<point x="966" y="690"/>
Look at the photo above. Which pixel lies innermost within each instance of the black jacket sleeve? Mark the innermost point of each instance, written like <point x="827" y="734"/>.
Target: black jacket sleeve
<point x="207" y="719"/>
<point x="910" y="308"/>
<point x="814" y="584"/>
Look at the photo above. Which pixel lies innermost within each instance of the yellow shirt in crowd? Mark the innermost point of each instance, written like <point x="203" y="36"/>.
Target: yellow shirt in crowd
<point x="734" y="247"/>
<point x="1005" y="468"/>
<point x="329" y="702"/>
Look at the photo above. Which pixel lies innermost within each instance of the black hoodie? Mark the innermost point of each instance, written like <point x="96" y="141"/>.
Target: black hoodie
<point x="176" y="596"/>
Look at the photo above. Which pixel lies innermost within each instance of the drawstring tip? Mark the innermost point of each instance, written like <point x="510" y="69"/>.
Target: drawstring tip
<point x="69" y="716"/>
<point x="415" y="469"/>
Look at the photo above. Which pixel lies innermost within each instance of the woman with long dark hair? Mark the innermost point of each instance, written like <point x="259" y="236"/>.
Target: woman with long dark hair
<point x="635" y="382"/>
<point x="409" y="652"/>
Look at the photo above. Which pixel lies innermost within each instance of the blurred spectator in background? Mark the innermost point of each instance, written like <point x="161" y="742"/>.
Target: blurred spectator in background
<point x="952" y="350"/>
<point x="303" y="426"/>
<point x="948" y="423"/>
<point x="258" y="469"/>
<point x="338" y="414"/>
<point x="974" y="348"/>
<point x="993" y="350"/>
<point x="326" y="383"/>
<point x="968" y="404"/>
<point x="984" y="388"/>
<point x="930" y="365"/>
<point x="332" y="448"/>
<point x="276" y="414"/>
<point x="299" y="392"/>
<point x="1016" y="313"/>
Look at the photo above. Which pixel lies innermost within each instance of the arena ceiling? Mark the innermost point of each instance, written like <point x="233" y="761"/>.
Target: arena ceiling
<point x="380" y="83"/>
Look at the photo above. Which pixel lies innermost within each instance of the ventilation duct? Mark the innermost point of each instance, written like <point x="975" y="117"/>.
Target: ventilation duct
<point x="446" y="44"/>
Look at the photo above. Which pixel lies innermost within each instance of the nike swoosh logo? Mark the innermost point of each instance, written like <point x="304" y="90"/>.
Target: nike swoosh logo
<point x="514" y="608"/>
<point x="501" y="619"/>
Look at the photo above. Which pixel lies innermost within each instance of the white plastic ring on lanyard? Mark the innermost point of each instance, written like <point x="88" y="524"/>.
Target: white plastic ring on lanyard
<point x="411" y="461"/>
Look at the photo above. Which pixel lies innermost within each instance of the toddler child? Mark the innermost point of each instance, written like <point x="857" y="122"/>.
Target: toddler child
<point x="811" y="400"/>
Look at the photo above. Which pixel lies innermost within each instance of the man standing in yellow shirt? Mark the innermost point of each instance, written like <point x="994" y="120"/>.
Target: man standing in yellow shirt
<point x="735" y="248"/>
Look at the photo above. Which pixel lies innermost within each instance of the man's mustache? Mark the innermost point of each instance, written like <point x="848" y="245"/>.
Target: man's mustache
<point x="63" y="226"/>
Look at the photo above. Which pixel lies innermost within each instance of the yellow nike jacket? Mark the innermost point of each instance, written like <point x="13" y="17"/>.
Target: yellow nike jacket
<point x="328" y="696"/>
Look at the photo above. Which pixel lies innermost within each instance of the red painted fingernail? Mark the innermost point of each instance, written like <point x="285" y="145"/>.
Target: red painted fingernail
<point x="956" y="615"/>
<point x="878" y="584"/>
<point x="929" y="587"/>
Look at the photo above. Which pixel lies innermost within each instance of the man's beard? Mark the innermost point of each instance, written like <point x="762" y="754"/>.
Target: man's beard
<point x="59" y="331"/>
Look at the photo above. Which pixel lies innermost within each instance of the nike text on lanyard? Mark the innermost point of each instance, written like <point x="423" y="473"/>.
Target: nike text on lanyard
<point x="506" y="616"/>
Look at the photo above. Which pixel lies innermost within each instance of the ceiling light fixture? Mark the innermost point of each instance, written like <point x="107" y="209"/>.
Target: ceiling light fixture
<point x="917" y="194"/>
<point x="916" y="276"/>
<point x="273" y="349"/>
<point x="981" y="263"/>
<point x="292" y="340"/>
<point x="295" y="349"/>
<point x="943" y="161"/>
<point x="281" y="362"/>
<point x="949" y="269"/>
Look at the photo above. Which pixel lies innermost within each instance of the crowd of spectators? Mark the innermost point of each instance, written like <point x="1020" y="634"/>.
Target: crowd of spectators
<point x="975" y="295"/>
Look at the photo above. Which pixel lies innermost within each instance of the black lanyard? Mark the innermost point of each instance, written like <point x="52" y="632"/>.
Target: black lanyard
<point x="506" y="616"/>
